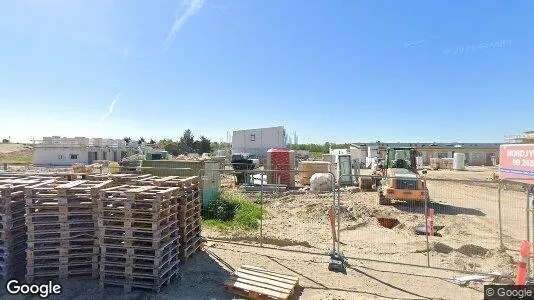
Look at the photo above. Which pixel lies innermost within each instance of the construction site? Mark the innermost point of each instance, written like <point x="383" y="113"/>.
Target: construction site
<point x="232" y="226"/>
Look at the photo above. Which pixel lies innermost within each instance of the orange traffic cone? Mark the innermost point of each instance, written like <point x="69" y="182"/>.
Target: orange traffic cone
<point x="522" y="263"/>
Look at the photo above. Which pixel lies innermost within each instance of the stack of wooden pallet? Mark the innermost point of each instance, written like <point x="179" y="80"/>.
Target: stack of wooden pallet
<point x="61" y="229"/>
<point x="138" y="233"/>
<point x="119" y="178"/>
<point x="189" y="214"/>
<point x="12" y="227"/>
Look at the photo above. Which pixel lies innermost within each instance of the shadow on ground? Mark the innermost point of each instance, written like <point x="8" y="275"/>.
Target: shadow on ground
<point x="355" y="272"/>
<point x="201" y="277"/>
<point x="439" y="208"/>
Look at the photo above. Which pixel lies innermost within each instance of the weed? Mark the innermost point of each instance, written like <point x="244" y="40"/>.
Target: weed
<point x="232" y="211"/>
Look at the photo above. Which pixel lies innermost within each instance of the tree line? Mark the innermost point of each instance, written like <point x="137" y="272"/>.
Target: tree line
<point x="188" y="144"/>
<point x="318" y="148"/>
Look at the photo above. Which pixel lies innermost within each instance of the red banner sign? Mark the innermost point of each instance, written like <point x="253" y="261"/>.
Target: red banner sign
<point x="516" y="163"/>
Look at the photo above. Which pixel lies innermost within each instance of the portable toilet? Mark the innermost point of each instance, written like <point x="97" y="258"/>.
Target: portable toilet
<point x="283" y="161"/>
<point x="211" y="183"/>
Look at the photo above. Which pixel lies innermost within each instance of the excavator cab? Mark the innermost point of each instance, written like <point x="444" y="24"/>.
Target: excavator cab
<point x="401" y="179"/>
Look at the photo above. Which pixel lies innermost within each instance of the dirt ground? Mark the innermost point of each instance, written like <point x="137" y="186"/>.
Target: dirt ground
<point x="469" y="241"/>
<point x="384" y="263"/>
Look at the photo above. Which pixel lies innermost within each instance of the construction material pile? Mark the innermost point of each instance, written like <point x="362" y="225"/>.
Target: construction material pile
<point x="12" y="228"/>
<point x="189" y="213"/>
<point x="61" y="230"/>
<point x="129" y="230"/>
<point x="189" y="209"/>
<point x="138" y="235"/>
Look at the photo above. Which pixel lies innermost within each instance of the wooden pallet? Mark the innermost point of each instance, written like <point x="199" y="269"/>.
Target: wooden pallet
<point x="139" y="242"/>
<point x="112" y="221"/>
<point x="53" y="260"/>
<point x="85" y="252"/>
<point x="54" y="210"/>
<point x="150" y="282"/>
<point x="146" y="194"/>
<point x="66" y="191"/>
<point x="64" y="235"/>
<point x="35" y="278"/>
<point x="62" y="270"/>
<point x="139" y="252"/>
<point x="138" y="233"/>
<point x="190" y="248"/>
<point x="70" y="226"/>
<point x="127" y="213"/>
<point x="138" y="269"/>
<point x="59" y="218"/>
<point x="257" y="283"/>
<point x="82" y="242"/>
<point x="145" y="260"/>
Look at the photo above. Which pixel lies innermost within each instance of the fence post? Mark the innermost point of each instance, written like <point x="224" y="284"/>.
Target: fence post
<point x="338" y="217"/>
<point x="333" y="206"/>
<point x="500" y="216"/>
<point x="261" y="210"/>
<point x="426" y="224"/>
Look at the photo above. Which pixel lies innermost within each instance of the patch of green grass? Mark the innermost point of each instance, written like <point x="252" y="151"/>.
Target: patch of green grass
<point x="15" y="158"/>
<point x="232" y="211"/>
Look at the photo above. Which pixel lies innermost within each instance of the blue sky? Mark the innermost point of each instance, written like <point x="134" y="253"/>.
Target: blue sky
<point x="333" y="71"/>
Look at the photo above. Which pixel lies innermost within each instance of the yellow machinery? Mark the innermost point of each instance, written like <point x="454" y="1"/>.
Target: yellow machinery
<point x="400" y="178"/>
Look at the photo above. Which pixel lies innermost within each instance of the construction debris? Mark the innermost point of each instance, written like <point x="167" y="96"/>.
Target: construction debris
<point x="479" y="277"/>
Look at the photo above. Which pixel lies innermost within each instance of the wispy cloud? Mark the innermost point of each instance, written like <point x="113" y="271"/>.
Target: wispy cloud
<point x="192" y="7"/>
<point x="125" y="52"/>
<point x="111" y="106"/>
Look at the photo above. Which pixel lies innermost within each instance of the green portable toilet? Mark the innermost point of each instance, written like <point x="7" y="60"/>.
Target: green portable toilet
<point x="211" y="183"/>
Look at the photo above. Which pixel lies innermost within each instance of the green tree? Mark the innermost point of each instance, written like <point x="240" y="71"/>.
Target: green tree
<point x="127" y="139"/>
<point x="204" y="145"/>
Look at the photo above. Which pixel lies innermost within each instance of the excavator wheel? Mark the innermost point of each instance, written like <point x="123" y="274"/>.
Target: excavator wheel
<point x="382" y="200"/>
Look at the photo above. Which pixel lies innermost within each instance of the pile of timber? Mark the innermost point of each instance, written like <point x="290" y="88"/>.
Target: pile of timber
<point x="13" y="227"/>
<point x="138" y="236"/>
<point x="189" y="214"/>
<point x="60" y="223"/>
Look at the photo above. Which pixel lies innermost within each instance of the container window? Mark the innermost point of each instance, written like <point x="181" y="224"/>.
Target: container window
<point x="74" y="156"/>
<point x="252" y="137"/>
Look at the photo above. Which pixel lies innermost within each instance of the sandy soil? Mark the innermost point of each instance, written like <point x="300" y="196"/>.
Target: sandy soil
<point x="468" y="212"/>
